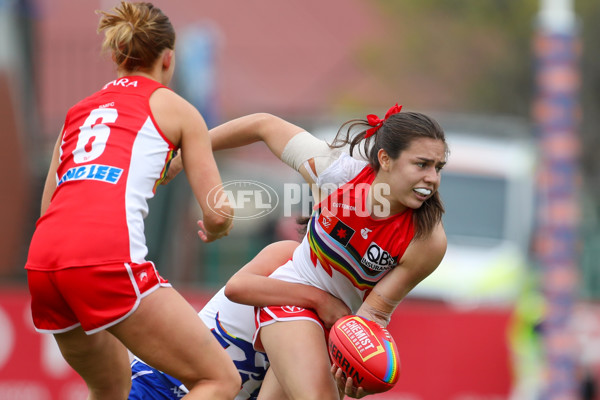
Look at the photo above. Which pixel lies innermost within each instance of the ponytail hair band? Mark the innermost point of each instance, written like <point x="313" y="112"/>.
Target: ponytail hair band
<point x="376" y="123"/>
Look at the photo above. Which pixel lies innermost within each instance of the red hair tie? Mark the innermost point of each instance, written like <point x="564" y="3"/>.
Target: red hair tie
<point x="376" y="123"/>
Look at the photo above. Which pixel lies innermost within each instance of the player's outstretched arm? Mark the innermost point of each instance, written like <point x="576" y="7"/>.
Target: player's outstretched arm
<point x="421" y="258"/>
<point x="251" y="285"/>
<point x="274" y="131"/>
<point x="290" y="143"/>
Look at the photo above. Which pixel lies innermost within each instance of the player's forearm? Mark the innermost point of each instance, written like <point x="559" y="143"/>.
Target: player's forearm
<point x="378" y="308"/>
<point x="262" y="291"/>
<point x="274" y="131"/>
<point x="237" y="133"/>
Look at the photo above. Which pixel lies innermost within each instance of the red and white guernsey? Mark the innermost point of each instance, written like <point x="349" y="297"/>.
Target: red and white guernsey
<point x="345" y="251"/>
<point x="112" y="157"/>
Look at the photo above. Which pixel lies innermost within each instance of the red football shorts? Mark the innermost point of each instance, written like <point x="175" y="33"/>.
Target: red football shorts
<point x="267" y="315"/>
<point x="95" y="297"/>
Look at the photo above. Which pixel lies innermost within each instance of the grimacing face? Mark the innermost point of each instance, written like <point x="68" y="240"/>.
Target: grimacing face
<point x="414" y="176"/>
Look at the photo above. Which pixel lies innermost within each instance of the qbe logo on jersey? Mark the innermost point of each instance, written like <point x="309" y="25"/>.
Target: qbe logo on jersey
<point x="378" y="259"/>
<point x="247" y="199"/>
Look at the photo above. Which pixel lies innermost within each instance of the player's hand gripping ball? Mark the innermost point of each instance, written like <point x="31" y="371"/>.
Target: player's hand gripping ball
<point x="366" y="352"/>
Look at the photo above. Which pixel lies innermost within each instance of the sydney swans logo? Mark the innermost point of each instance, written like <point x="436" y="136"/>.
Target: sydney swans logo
<point x="247" y="199"/>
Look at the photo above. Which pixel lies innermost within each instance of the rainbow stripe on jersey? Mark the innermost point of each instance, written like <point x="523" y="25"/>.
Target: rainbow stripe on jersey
<point x="163" y="174"/>
<point x="329" y="240"/>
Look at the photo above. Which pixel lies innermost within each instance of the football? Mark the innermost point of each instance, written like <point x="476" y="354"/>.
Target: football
<point x="366" y="352"/>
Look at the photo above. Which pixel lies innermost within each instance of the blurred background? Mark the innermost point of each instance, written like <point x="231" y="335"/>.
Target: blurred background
<point x="512" y="312"/>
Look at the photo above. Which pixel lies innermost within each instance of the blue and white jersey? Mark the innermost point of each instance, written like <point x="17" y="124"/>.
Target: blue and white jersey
<point x="148" y="383"/>
<point x="232" y="324"/>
